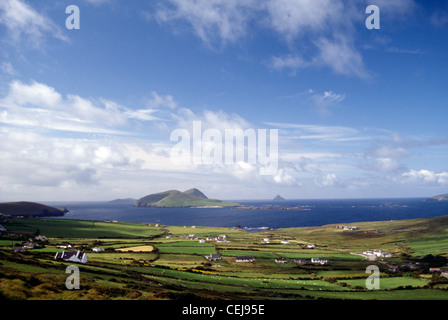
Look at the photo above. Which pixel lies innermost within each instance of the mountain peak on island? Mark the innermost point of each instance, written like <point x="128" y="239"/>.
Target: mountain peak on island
<point x="278" y="198"/>
<point x="177" y="199"/>
<point x="196" y="193"/>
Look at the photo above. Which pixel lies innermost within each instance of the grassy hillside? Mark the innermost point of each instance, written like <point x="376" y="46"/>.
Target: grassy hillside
<point x="25" y="208"/>
<point x="145" y="261"/>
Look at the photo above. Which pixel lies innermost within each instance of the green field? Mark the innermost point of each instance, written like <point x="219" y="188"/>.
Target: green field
<point x="176" y="266"/>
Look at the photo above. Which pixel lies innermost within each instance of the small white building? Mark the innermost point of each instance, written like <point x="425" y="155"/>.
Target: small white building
<point x="65" y="245"/>
<point x="40" y="238"/>
<point x="281" y="260"/>
<point x="322" y="261"/>
<point x="378" y="253"/>
<point x="30" y="245"/>
<point x="221" y="240"/>
<point x="213" y="257"/>
<point x="265" y="240"/>
<point x="245" y="259"/>
<point x="284" y="241"/>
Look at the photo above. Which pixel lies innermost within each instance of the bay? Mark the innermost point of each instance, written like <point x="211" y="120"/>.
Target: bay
<point x="276" y="214"/>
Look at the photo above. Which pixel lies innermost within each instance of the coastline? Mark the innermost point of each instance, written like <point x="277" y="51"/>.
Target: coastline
<point x="267" y="214"/>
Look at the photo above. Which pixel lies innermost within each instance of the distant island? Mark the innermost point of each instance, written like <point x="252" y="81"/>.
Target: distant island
<point x="442" y="197"/>
<point x="278" y="198"/>
<point x="177" y="199"/>
<point x="125" y="200"/>
<point x="30" y="209"/>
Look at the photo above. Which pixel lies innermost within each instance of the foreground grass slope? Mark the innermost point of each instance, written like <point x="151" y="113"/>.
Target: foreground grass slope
<point x="148" y="261"/>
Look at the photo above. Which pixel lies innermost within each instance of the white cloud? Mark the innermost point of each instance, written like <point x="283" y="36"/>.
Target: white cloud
<point x="439" y="19"/>
<point x="25" y="23"/>
<point x="39" y="105"/>
<point x="341" y="56"/>
<point x="327" y="180"/>
<point x="317" y="132"/>
<point x="158" y="101"/>
<point x="218" y="120"/>
<point x="291" y="62"/>
<point x="295" y="21"/>
<point x="7" y="68"/>
<point x="293" y="18"/>
<point x="35" y="94"/>
<point x="226" y="20"/>
<point x="389" y="152"/>
<point x="311" y="156"/>
<point x="338" y="53"/>
<point x="324" y="101"/>
<point x="425" y="177"/>
<point x="286" y="176"/>
<point x="386" y="165"/>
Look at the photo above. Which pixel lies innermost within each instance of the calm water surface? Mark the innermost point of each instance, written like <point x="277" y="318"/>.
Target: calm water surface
<point x="313" y="213"/>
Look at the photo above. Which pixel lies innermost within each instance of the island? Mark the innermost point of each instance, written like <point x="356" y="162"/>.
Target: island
<point x="278" y="198"/>
<point x="124" y="200"/>
<point x="30" y="209"/>
<point x="441" y="197"/>
<point x="192" y="198"/>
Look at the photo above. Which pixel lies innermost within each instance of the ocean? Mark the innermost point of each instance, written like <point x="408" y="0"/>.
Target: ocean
<point x="311" y="213"/>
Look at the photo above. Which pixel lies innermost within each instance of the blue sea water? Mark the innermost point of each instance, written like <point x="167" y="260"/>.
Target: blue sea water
<point x="314" y="213"/>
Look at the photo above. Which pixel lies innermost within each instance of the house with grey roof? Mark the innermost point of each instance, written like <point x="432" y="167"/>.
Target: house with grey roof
<point x="213" y="257"/>
<point x="76" y="256"/>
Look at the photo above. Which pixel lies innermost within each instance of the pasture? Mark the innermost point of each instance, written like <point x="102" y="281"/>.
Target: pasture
<point x="145" y="261"/>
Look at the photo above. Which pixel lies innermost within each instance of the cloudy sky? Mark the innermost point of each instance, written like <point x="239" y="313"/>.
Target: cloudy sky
<point x="87" y="114"/>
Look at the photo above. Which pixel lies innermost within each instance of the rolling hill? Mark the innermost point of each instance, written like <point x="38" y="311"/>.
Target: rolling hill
<point x="25" y="208"/>
<point x="177" y="199"/>
<point x="442" y="197"/>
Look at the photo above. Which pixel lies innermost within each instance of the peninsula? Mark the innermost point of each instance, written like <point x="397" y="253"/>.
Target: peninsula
<point x="442" y="197"/>
<point x="193" y="198"/>
<point x="30" y="209"/>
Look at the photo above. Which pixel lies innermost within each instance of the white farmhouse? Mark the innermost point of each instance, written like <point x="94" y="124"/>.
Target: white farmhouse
<point x="321" y="261"/>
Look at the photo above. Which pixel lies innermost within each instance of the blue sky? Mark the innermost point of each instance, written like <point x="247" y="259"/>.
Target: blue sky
<point x="86" y="114"/>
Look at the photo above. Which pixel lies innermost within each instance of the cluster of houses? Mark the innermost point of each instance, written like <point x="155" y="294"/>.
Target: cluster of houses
<point x="72" y="256"/>
<point x="286" y="241"/>
<point x="249" y="259"/>
<point x="350" y="228"/>
<point x="267" y="240"/>
<point x="30" y="244"/>
<point x="443" y="272"/>
<point x="321" y="261"/>
<point x="220" y="239"/>
<point x="377" y="253"/>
